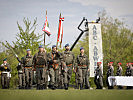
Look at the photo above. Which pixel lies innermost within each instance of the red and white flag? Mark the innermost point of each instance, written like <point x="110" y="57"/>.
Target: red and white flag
<point x="60" y="31"/>
<point x="46" y="26"/>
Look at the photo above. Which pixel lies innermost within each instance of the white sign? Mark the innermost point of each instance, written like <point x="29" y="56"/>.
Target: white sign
<point x="95" y="46"/>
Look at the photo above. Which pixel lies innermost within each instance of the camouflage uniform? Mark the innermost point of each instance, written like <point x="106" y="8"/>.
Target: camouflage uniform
<point x="98" y="77"/>
<point x="82" y="70"/>
<point x="54" y="68"/>
<point x="27" y="62"/>
<point x="5" y="78"/>
<point x="69" y="60"/>
<point x="110" y="72"/>
<point x="21" y="76"/>
<point x="40" y="64"/>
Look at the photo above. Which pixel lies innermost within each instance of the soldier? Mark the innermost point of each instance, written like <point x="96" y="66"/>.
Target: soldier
<point x="129" y="72"/>
<point x="21" y="76"/>
<point x="82" y="69"/>
<point x="54" y="60"/>
<point x="27" y="62"/>
<point x="69" y="60"/>
<point x="40" y="64"/>
<point x="119" y="72"/>
<point x="110" y="72"/>
<point x="5" y="74"/>
<point x="98" y="76"/>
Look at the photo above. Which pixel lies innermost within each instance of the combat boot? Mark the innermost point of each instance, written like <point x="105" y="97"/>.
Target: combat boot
<point x="66" y="86"/>
<point x="81" y="86"/>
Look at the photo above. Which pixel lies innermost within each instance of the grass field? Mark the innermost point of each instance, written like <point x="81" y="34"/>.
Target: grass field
<point x="71" y="94"/>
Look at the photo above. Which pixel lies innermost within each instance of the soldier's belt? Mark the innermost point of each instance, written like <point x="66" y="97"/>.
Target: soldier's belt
<point x="55" y="66"/>
<point x="69" y="65"/>
<point x="82" y="65"/>
<point x="27" y="67"/>
<point x="40" y="66"/>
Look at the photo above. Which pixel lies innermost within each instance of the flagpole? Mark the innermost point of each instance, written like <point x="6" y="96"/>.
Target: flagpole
<point x="58" y="31"/>
<point x="45" y="32"/>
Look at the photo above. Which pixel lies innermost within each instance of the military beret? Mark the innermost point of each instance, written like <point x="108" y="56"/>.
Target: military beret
<point x="81" y="48"/>
<point x="111" y="62"/>
<point x="66" y="45"/>
<point x="5" y="59"/>
<point x="120" y="63"/>
<point x="40" y="46"/>
<point x="28" y="50"/>
<point x="53" y="46"/>
<point x="99" y="62"/>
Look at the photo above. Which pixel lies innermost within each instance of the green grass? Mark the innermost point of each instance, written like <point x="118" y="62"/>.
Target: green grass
<point x="66" y="95"/>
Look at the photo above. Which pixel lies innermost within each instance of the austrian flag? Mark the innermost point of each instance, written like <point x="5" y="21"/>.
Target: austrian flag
<point x="46" y="27"/>
<point x="60" y="30"/>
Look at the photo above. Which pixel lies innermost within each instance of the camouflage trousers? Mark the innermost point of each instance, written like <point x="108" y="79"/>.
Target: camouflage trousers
<point x="28" y="77"/>
<point x="67" y="75"/>
<point x="54" y="77"/>
<point x="83" y="77"/>
<point x="41" y="76"/>
<point x="21" y="79"/>
<point x="5" y="81"/>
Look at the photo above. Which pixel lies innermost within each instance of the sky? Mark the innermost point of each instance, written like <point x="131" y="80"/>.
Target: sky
<point x="73" y="12"/>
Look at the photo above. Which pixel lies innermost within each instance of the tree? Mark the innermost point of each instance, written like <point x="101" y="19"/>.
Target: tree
<point x="27" y="38"/>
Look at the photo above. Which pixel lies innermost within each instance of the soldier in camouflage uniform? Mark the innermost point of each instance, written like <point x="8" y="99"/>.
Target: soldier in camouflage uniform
<point x="40" y="64"/>
<point x="27" y="62"/>
<point x="21" y="76"/>
<point x="110" y="72"/>
<point x="82" y="69"/>
<point x="69" y="60"/>
<point x="119" y="73"/>
<point x="129" y="72"/>
<point x="54" y="60"/>
<point x="5" y="74"/>
<point x="98" y="76"/>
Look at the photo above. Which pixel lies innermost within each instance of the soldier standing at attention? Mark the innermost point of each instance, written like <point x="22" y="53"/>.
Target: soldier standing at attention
<point x="110" y="72"/>
<point x="69" y="60"/>
<point x="119" y="72"/>
<point x="21" y="76"/>
<point x="5" y="74"/>
<point x="129" y="72"/>
<point x="82" y="69"/>
<point x="27" y="62"/>
<point x="40" y="64"/>
<point x="54" y="60"/>
<point x="98" y="76"/>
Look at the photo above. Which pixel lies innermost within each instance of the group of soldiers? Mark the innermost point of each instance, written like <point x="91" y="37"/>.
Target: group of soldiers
<point x="54" y="70"/>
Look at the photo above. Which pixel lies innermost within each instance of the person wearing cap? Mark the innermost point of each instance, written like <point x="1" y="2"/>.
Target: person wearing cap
<point x="40" y="65"/>
<point x="27" y="62"/>
<point x="98" y="76"/>
<point x="129" y="72"/>
<point x="82" y="64"/>
<point x="5" y="74"/>
<point x="54" y="60"/>
<point x="119" y="72"/>
<point x="110" y="72"/>
<point x="69" y="60"/>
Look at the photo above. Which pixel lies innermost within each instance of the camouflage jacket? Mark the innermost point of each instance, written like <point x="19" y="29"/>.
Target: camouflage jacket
<point x="54" y="56"/>
<point x="40" y="58"/>
<point x="68" y="58"/>
<point x="82" y="61"/>
<point x="27" y="61"/>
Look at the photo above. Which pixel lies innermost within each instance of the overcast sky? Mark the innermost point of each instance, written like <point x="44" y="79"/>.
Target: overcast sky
<point x="73" y="11"/>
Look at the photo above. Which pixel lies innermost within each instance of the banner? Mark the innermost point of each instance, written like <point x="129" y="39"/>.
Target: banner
<point x="95" y="47"/>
